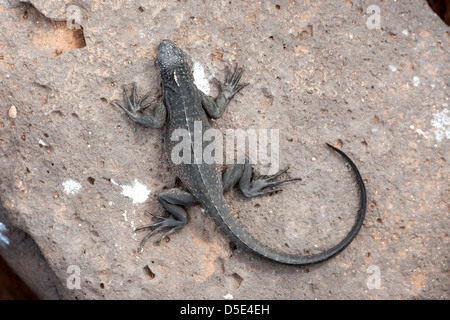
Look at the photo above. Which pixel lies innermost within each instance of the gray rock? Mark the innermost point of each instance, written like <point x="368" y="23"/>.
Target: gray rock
<point x="76" y="175"/>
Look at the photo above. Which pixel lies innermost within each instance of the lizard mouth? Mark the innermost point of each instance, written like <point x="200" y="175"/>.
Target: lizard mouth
<point x="169" y="55"/>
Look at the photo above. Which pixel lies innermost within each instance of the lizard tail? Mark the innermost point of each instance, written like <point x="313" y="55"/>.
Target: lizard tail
<point x="244" y="240"/>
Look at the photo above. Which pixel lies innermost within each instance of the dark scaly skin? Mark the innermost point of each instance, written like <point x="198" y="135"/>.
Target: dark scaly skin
<point x="181" y="106"/>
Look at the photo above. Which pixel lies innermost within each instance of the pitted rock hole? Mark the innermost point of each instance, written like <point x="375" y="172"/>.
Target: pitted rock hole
<point x="50" y="36"/>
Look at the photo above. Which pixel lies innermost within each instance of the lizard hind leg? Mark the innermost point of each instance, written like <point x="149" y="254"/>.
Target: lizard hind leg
<point x="250" y="186"/>
<point x="173" y="201"/>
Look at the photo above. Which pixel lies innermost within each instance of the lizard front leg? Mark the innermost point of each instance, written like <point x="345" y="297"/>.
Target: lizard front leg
<point x="173" y="201"/>
<point x="216" y="107"/>
<point x="134" y="108"/>
<point x="250" y="186"/>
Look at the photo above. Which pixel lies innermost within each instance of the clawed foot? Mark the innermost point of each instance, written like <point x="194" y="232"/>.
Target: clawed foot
<point x="163" y="222"/>
<point x="267" y="181"/>
<point x="133" y="106"/>
<point x="231" y="85"/>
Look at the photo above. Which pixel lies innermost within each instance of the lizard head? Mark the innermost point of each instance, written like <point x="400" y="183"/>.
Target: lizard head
<point x="169" y="56"/>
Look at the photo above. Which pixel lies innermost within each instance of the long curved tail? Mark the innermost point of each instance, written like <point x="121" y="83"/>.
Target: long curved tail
<point x="244" y="240"/>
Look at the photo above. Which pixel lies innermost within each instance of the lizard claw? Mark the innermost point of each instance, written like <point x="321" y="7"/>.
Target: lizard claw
<point x="231" y="85"/>
<point x="267" y="181"/>
<point x="132" y="107"/>
<point x="163" y="222"/>
<point x="159" y="218"/>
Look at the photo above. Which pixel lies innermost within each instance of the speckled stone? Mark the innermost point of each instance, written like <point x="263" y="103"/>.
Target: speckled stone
<point x="318" y="71"/>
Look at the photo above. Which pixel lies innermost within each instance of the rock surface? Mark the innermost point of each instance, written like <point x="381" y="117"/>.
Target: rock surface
<point x="76" y="175"/>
